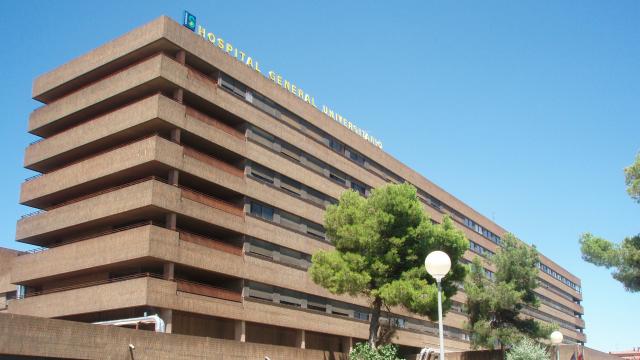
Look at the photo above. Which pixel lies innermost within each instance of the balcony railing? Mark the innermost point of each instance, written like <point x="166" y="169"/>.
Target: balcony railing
<point x="190" y="152"/>
<point x="209" y="242"/>
<point x="211" y="201"/>
<point x="105" y="191"/>
<point x="215" y="123"/>
<point x="92" y="283"/>
<point x="101" y="152"/>
<point x="208" y="290"/>
<point x="87" y="237"/>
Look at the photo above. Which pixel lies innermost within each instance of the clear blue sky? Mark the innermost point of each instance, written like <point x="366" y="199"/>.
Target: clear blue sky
<point x="526" y="110"/>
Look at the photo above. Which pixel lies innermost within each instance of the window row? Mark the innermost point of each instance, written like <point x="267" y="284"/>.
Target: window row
<point x="479" y="249"/>
<point x="549" y="318"/>
<point x="482" y="231"/>
<point x="306" y="160"/>
<point x="301" y="300"/>
<point x="277" y="253"/>
<point x="488" y="273"/>
<point x="286" y="219"/>
<point x="289" y="185"/>
<point x="282" y="113"/>
<point x="556" y="290"/>
<point x="559" y="277"/>
<point x="556" y="305"/>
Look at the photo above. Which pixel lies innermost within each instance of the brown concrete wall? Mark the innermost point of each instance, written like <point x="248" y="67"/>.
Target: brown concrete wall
<point x="566" y="351"/>
<point x="6" y="259"/>
<point x="166" y="28"/>
<point x="25" y="335"/>
<point x="178" y="74"/>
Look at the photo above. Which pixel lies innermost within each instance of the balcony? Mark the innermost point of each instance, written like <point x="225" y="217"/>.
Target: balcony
<point x="144" y="199"/>
<point x="210" y="201"/>
<point x="191" y="112"/>
<point x="208" y="290"/>
<point x="111" y="294"/>
<point x="211" y="161"/>
<point x="209" y="243"/>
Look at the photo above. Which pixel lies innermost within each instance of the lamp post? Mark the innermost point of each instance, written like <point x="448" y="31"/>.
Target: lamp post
<point x="556" y="340"/>
<point x="438" y="265"/>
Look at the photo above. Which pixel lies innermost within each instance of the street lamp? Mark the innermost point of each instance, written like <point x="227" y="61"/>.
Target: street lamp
<point x="438" y="265"/>
<point x="556" y="340"/>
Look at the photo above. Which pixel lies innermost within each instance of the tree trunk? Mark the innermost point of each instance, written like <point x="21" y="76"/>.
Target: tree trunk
<point x="374" y="325"/>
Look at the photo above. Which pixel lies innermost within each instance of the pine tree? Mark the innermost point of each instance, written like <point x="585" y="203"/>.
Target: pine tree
<point x="624" y="257"/>
<point x="380" y="246"/>
<point x="494" y="306"/>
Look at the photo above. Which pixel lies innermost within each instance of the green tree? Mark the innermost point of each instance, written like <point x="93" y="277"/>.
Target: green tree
<point x="527" y="349"/>
<point x="362" y="351"/>
<point x="380" y="246"/>
<point x="632" y="179"/>
<point x="494" y="306"/>
<point x="624" y="257"/>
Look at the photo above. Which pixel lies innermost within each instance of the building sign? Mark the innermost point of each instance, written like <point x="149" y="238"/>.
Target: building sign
<point x="189" y="21"/>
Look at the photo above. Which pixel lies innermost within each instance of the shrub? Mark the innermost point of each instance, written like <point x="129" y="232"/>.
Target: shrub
<point x="527" y="349"/>
<point x="362" y="351"/>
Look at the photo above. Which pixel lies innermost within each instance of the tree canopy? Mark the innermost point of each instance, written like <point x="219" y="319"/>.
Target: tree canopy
<point x="527" y="349"/>
<point x="632" y="179"/>
<point x="625" y="256"/>
<point x="380" y="246"/>
<point x="495" y="305"/>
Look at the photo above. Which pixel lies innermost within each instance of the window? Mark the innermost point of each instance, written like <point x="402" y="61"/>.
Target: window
<point x="290" y="185"/>
<point x="315" y="196"/>
<point x="360" y="315"/>
<point x="338" y="177"/>
<point x="262" y="137"/>
<point x="289" y="220"/>
<point x="290" y="151"/>
<point x="315" y="164"/>
<point x="336" y="145"/>
<point x="233" y="85"/>
<point x="356" y="157"/>
<point x="262" y="173"/>
<point x="262" y="211"/>
<point x="399" y="323"/>
<point x="265" y="105"/>
<point x="315" y="230"/>
<point x="358" y="187"/>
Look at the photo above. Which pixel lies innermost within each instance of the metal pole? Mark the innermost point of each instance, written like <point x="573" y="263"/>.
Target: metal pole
<point x="441" y="357"/>
<point x="558" y="352"/>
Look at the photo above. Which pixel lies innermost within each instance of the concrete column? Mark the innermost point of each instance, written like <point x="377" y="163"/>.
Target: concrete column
<point x="174" y="176"/>
<point x="167" y="316"/>
<point x="175" y="135"/>
<point x="170" y="221"/>
<point x="178" y="95"/>
<point x="169" y="271"/>
<point x="301" y="339"/>
<point x="240" y="331"/>
<point x="347" y="344"/>
<point x="181" y="56"/>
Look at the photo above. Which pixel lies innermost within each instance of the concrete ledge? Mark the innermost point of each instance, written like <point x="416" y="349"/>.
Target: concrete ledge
<point x="33" y="336"/>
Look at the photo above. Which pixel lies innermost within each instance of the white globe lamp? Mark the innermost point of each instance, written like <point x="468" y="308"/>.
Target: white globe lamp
<point x="556" y="337"/>
<point x="438" y="265"/>
<point x="556" y="340"/>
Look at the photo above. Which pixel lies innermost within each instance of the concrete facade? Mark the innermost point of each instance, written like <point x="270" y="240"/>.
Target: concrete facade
<point x="177" y="181"/>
